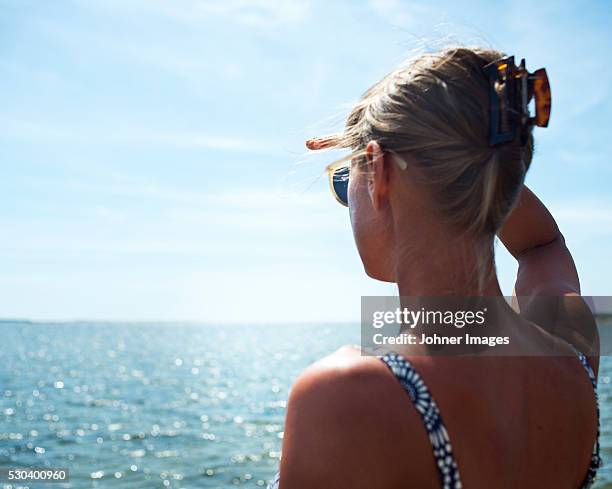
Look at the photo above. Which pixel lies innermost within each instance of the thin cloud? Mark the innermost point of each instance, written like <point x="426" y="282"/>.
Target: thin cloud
<point x="590" y="213"/>
<point x="399" y="14"/>
<point x="12" y="130"/>
<point x="260" y="14"/>
<point x="584" y="220"/>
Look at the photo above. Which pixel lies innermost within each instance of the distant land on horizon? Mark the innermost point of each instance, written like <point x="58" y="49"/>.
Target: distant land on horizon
<point x="602" y="306"/>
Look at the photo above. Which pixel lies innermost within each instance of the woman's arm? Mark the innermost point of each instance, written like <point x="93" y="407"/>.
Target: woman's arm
<point x="547" y="287"/>
<point x="528" y="226"/>
<point x="531" y="235"/>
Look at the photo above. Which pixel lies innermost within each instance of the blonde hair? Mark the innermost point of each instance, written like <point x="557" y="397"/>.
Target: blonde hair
<point x="435" y="108"/>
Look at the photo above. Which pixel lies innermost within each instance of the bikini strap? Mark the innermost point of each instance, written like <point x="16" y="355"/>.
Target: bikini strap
<point x="596" y="461"/>
<point x="425" y="405"/>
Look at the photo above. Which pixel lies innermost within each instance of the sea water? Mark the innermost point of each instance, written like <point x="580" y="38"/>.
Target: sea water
<point x="164" y="405"/>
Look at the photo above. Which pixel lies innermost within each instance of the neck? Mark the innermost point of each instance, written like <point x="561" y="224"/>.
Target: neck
<point x="443" y="267"/>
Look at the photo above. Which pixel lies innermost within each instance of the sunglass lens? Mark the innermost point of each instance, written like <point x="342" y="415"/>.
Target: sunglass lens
<point x="340" y="180"/>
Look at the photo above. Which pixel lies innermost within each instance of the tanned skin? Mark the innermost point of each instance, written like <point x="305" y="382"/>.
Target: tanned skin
<point x="514" y="422"/>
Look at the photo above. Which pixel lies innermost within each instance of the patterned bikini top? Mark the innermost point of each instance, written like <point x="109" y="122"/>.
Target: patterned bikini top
<point x="424" y="403"/>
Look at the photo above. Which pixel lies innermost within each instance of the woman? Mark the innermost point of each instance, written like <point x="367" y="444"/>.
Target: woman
<point x="440" y="148"/>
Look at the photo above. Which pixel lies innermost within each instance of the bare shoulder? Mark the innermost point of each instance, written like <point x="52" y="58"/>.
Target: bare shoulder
<point x="566" y="316"/>
<point x="345" y="365"/>
<point x="344" y="426"/>
<point x="336" y="382"/>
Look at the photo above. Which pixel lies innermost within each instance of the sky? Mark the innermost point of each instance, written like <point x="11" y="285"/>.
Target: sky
<point x="153" y="160"/>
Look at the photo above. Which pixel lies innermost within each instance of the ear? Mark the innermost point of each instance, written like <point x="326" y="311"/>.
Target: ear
<point x="378" y="177"/>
